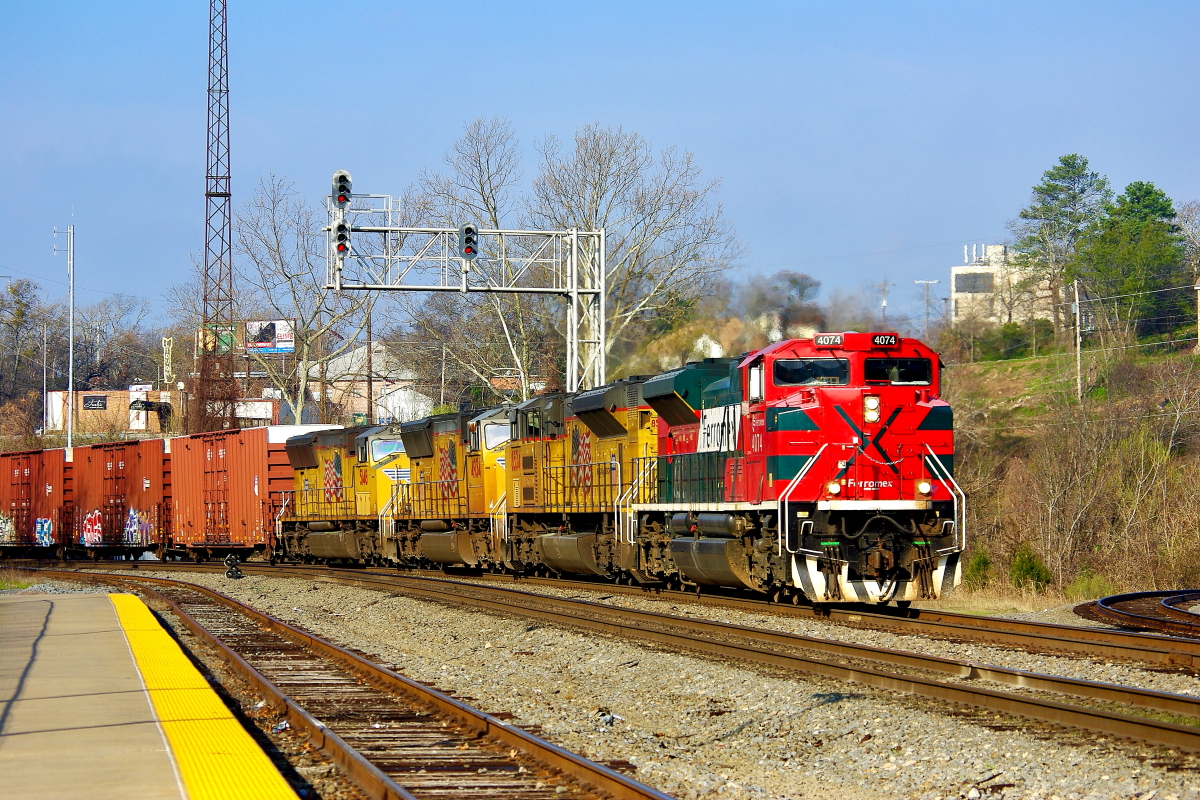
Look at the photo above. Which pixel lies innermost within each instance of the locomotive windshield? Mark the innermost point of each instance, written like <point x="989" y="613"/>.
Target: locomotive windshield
<point x="899" y="371"/>
<point x="495" y="434"/>
<point x="382" y="448"/>
<point x="812" y="372"/>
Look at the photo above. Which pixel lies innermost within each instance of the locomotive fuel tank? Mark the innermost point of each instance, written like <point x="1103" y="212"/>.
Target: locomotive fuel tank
<point x="713" y="561"/>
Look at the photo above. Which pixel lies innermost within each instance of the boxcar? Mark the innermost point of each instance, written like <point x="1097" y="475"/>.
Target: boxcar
<point x="34" y="498"/>
<point x="122" y="495"/>
<point x="225" y="487"/>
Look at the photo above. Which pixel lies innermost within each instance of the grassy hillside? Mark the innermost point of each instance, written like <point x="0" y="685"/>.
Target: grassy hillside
<point x="1080" y="498"/>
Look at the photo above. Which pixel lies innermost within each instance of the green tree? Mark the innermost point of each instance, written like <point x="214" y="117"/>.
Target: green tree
<point x="1134" y="248"/>
<point x="1064" y="205"/>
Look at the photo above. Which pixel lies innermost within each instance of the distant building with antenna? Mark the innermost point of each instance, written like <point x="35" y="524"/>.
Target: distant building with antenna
<point x="989" y="286"/>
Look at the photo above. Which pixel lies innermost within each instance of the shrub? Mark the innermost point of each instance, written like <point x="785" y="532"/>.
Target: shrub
<point x="1028" y="570"/>
<point x="977" y="572"/>
<point x="1089" y="586"/>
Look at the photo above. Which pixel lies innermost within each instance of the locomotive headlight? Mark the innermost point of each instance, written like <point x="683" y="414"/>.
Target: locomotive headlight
<point x="833" y="487"/>
<point x="870" y="408"/>
<point x="925" y="487"/>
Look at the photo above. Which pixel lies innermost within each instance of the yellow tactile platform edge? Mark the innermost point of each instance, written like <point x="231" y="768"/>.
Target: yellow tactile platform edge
<point x="217" y="759"/>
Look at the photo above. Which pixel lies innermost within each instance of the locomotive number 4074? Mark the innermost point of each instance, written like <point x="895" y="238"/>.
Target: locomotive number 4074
<point x="884" y="340"/>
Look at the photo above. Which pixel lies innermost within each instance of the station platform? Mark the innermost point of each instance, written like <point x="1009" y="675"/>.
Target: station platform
<point x="98" y="701"/>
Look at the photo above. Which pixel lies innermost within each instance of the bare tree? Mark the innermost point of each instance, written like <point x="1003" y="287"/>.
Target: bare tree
<point x="113" y="349"/>
<point x="282" y="269"/>
<point x="666" y="237"/>
<point x="666" y="240"/>
<point x="499" y="342"/>
<point x="1188" y="220"/>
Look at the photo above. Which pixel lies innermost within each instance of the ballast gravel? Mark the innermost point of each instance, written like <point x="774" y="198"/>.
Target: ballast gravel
<point x="700" y="728"/>
<point x="1120" y="672"/>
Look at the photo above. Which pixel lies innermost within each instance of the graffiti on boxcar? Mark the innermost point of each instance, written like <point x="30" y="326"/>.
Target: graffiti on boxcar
<point x="138" y="527"/>
<point x="43" y="532"/>
<point x="92" y="532"/>
<point x="8" y="531"/>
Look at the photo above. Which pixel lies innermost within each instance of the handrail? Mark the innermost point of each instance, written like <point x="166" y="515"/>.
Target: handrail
<point x="783" y="525"/>
<point x="384" y="512"/>
<point x="287" y="498"/>
<point x="501" y="504"/>
<point x="939" y="467"/>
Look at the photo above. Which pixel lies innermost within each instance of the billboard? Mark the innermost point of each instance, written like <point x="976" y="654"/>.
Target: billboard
<point x="270" y="336"/>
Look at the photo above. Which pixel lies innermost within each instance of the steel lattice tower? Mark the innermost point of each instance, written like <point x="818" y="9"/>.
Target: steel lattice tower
<point x="217" y="390"/>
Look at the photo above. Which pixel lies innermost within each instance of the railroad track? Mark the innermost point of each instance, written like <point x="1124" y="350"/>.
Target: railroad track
<point x="1037" y="637"/>
<point x="1102" y="709"/>
<point x="395" y="738"/>
<point x="1167" y="611"/>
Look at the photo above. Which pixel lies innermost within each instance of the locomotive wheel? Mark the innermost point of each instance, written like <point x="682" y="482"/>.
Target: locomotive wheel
<point x="902" y="604"/>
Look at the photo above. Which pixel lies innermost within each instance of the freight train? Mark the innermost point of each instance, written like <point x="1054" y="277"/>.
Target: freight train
<point x="815" y="470"/>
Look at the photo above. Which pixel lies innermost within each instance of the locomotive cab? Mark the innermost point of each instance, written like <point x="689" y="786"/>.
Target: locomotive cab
<point x="857" y="449"/>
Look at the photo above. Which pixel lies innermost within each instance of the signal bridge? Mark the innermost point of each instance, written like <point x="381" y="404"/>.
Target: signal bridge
<point x="368" y="248"/>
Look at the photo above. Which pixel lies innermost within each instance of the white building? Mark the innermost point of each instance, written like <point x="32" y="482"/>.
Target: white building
<point x="989" y="287"/>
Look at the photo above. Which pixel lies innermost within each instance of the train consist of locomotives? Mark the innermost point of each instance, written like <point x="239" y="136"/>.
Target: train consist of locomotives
<point x="818" y="469"/>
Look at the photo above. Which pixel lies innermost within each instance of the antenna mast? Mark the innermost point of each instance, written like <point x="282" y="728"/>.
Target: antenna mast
<point x="216" y="391"/>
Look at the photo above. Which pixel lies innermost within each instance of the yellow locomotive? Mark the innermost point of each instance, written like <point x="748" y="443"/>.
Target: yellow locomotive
<point x="345" y="482"/>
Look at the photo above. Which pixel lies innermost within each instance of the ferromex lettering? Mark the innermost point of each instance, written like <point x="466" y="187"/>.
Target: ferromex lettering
<point x="719" y="429"/>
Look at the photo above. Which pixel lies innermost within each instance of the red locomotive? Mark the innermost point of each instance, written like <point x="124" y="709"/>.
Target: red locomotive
<point x="819" y="466"/>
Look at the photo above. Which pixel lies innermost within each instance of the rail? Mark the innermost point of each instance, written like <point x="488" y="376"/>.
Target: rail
<point x="286" y="499"/>
<point x="321" y="504"/>
<point x="824" y="657"/>
<point x="626" y="518"/>
<point x="498" y="515"/>
<point x="443" y="499"/>
<point x="479" y="726"/>
<point x="580" y="487"/>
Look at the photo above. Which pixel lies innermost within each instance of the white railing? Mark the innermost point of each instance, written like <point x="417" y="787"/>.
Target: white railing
<point x="785" y="519"/>
<point x="624" y="515"/>
<point x="960" y="506"/>
<point x="498" y="514"/>
<point x="287" y="498"/>
<point x="386" y="512"/>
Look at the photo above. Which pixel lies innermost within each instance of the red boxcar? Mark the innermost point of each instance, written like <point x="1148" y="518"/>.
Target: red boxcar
<point x="223" y="487"/>
<point x="34" y="493"/>
<point x="122" y="495"/>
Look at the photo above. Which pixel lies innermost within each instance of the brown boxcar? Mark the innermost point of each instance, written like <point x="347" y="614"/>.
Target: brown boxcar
<point x="224" y="489"/>
<point x="122" y="495"/>
<point x="34" y="498"/>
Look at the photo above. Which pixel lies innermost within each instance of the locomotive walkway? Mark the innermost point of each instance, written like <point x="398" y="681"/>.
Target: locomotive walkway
<point x="98" y="701"/>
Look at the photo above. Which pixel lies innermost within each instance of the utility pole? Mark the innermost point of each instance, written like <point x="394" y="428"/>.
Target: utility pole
<point x="1078" y="346"/>
<point x="884" y="287"/>
<point x="45" y="374"/>
<point x="370" y="375"/>
<point x="70" y="332"/>
<point x="927" y="285"/>
<point x="1197" y="288"/>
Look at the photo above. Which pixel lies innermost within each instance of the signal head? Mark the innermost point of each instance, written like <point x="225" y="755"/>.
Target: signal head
<point x="468" y="241"/>
<point x="342" y="191"/>
<point x="341" y="238"/>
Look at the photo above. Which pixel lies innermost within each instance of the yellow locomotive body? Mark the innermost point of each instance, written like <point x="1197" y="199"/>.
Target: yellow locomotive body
<point x="572" y="471"/>
<point x="342" y="479"/>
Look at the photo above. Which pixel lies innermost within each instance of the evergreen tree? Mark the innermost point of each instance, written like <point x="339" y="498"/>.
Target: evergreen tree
<point x="1135" y="248"/>
<point x="1069" y="199"/>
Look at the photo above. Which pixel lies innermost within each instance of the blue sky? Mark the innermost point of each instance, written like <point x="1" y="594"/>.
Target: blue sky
<point x="854" y="140"/>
